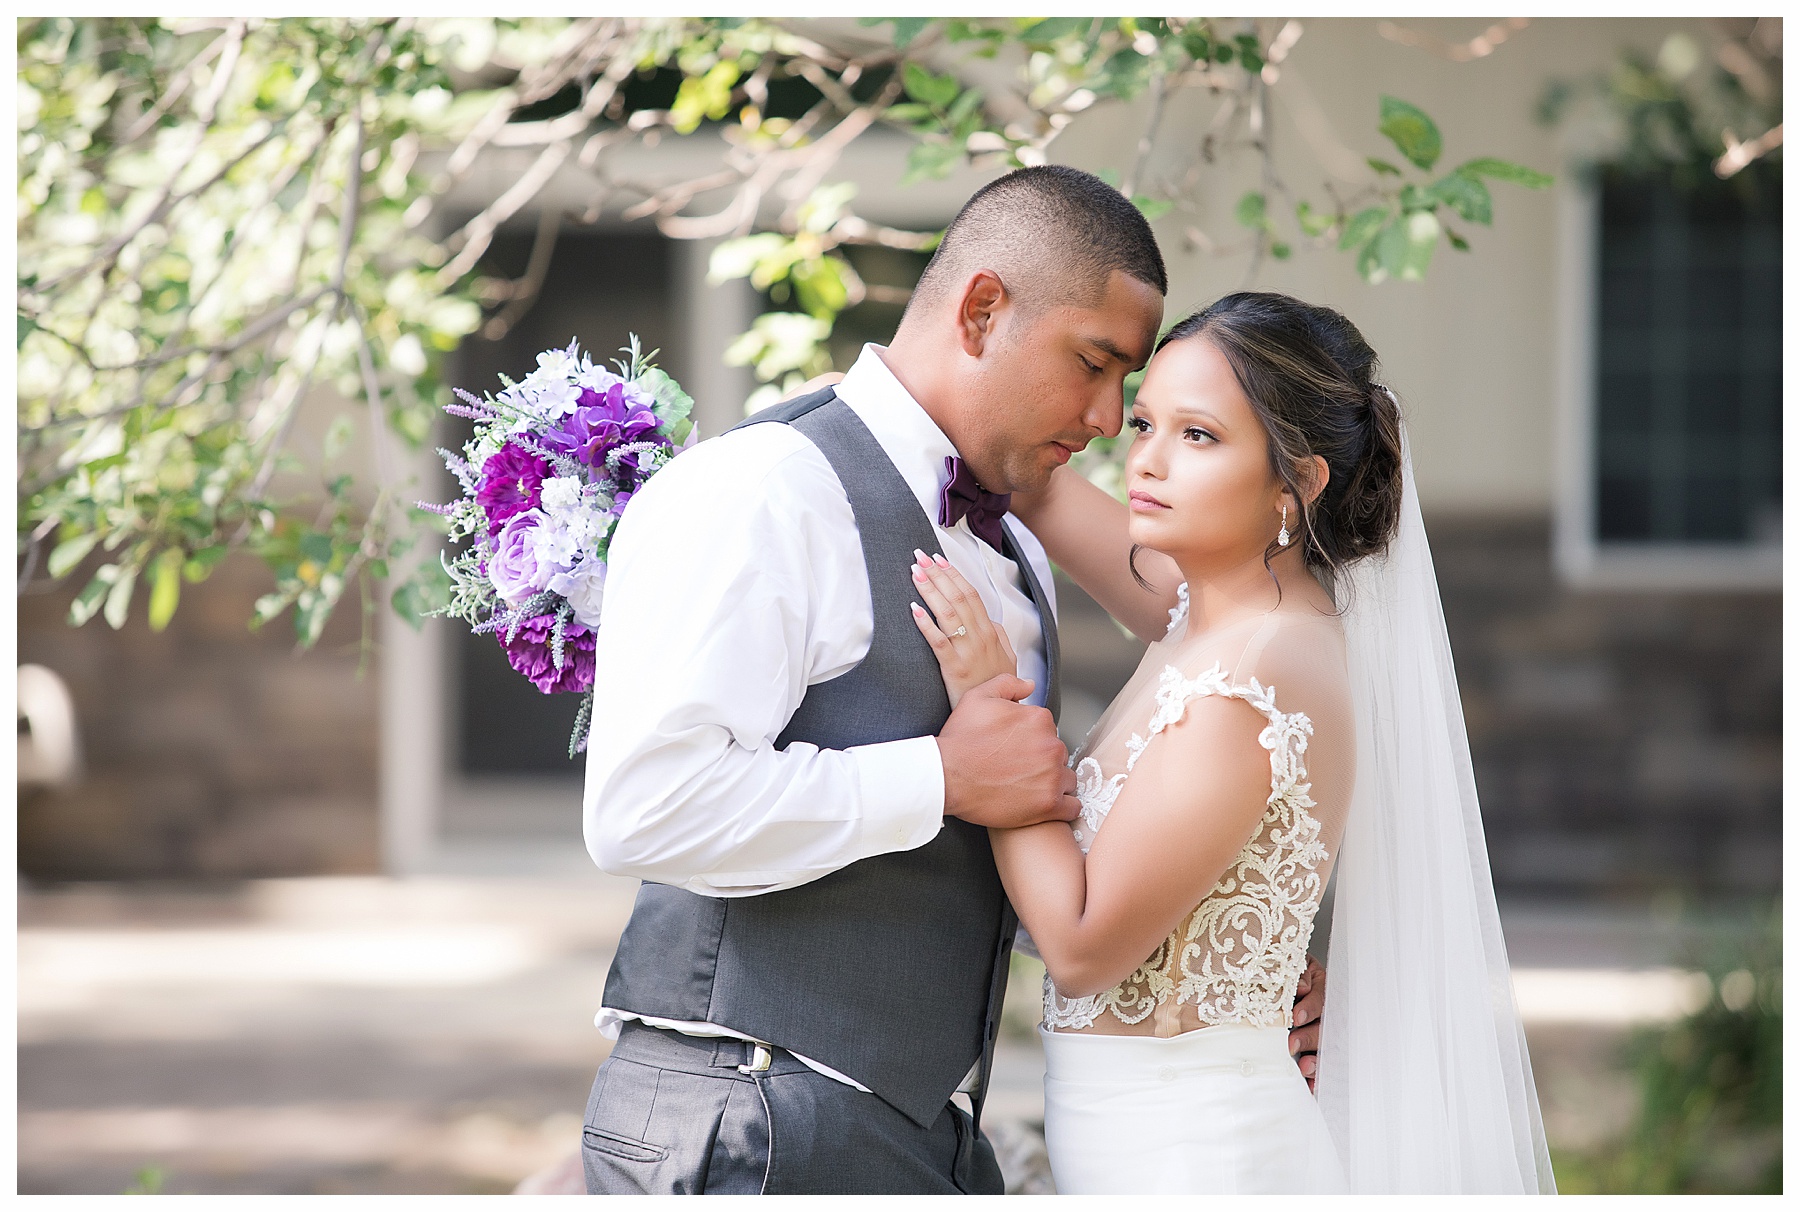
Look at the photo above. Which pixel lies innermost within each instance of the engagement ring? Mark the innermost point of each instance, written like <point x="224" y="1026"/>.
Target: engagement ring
<point x="959" y="633"/>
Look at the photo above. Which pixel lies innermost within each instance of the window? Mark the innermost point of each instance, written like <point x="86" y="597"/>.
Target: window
<point x="1673" y="470"/>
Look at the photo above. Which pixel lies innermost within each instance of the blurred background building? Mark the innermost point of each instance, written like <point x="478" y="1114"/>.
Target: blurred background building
<point x="1593" y="398"/>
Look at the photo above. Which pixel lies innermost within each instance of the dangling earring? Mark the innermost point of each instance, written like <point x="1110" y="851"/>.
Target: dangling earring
<point x="1282" y="538"/>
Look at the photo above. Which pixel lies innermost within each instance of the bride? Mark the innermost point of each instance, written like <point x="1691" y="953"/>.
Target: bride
<point x="1295" y="711"/>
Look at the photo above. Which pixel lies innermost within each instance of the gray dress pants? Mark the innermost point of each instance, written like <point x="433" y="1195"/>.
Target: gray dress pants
<point x="673" y="1114"/>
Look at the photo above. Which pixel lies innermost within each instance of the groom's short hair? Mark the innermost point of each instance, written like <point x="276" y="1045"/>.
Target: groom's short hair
<point x="1054" y="234"/>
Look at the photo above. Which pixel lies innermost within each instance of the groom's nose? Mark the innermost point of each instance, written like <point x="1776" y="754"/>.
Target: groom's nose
<point x="1106" y="415"/>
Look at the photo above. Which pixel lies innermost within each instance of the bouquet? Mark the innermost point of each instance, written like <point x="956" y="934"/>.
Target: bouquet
<point x="554" y="459"/>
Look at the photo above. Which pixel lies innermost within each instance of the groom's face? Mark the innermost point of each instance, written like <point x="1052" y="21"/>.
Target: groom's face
<point x="1053" y="380"/>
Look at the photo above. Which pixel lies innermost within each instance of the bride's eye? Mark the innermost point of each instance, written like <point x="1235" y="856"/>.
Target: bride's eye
<point x="1195" y="433"/>
<point x="1137" y="425"/>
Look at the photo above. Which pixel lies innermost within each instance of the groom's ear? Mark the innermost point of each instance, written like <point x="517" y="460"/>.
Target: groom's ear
<point x="978" y="310"/>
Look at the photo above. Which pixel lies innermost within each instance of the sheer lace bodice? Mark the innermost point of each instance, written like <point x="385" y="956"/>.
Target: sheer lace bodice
<point x="1236" y="956"/>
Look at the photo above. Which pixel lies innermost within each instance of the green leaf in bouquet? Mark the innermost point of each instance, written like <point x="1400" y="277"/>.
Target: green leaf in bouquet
<point x="1411" y="130"/>
<point x="672" y="404"/>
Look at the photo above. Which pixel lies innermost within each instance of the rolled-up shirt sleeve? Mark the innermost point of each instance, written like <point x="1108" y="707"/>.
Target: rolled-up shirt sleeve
<point x="735" y="580"/>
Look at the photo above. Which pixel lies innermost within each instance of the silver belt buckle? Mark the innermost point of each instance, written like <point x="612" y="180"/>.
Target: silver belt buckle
<point x="759" y="1059"/>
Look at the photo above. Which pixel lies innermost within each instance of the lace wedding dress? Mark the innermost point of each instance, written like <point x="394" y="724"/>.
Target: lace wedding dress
<point x="1178" y="1079"/>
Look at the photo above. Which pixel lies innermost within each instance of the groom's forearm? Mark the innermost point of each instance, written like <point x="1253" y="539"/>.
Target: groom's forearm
<point x="724" y="820"/>
<point x="712" y="630"/>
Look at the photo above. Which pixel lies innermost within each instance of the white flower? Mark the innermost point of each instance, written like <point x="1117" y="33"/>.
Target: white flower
<point x="561" y="494"/>
<point x="554" y="364"/>
<point x="555" y="398"/>
<point x="594" y="378"/>
<point x="583" y="586"/>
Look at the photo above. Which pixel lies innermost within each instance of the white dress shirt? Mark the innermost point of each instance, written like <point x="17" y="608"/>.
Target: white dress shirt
<point x="735" y="581"/>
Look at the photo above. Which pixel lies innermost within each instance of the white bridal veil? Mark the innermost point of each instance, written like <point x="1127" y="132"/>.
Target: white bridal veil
<point x="1423" y="1074"/>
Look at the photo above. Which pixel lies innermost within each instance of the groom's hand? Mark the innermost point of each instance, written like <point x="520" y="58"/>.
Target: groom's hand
<point x="1309" y="1004"/>
<point x="1004" y="766"/>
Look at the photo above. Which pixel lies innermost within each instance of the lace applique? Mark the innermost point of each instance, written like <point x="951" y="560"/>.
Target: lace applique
<point x="1180" y="610"/>
<point x="1239" y="954"/>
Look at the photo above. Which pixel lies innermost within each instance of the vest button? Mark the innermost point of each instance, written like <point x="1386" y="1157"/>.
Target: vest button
<point x="1247" y="1069"/>
<point x="1165" y="1074"/>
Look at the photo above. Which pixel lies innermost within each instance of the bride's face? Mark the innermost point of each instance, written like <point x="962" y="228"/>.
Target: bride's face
<point x="1201" y="486"/>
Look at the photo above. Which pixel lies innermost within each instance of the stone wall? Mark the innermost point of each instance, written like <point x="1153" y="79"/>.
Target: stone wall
<point x="210" y="750"/>
<point x="1622" y="741"/>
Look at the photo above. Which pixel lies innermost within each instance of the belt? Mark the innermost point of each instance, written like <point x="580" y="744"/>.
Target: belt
<point x="666" y="1049"/>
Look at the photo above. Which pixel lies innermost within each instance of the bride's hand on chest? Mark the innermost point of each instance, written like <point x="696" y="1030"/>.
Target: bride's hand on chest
<point x="969" y="648"/>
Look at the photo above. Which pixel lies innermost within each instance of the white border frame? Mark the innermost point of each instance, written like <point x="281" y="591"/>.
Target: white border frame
<point x="1581" y="560"/>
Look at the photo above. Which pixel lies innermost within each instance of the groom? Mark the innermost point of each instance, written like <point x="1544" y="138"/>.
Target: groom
<point x="817" y="957"/>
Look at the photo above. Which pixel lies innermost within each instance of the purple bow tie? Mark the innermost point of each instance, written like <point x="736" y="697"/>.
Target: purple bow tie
<point x="963" y="497"/>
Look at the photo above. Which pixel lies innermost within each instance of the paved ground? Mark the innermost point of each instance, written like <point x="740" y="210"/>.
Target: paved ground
<point x="434" y="1034"/>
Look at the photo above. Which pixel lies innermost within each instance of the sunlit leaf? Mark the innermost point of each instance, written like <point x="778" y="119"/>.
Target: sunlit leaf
<point x="1362" y="227"/>
<point x="1464" y="194"/>
<point x="1410" y="130"/>
<point x="1506" y="170"/>
<point x="165" y="587"/>
<point x="929" y="160"/>
<point x="1312" y="222"/>
<point x="933" y="90"/>
<point x="71" y="552"/>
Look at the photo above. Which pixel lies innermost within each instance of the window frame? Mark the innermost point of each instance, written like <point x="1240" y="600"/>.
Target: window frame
<point x="1582" y="559"/>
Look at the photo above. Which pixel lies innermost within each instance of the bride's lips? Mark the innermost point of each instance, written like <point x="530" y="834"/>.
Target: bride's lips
<point x="1143" y="502"/>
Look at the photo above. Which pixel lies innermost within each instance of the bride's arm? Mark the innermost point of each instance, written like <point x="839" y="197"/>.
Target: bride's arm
<point x="1084" y="531"/>
<point x="1190" y="805"/>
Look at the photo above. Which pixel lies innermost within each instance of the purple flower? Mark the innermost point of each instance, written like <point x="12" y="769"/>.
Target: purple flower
<point x="509" y="485"/>
<point x="514" y="567"/>
<point x="529" y="653"/>
<point x="603" y="420"/>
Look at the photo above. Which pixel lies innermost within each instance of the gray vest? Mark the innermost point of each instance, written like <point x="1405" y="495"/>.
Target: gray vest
<point x="891" y="970"/>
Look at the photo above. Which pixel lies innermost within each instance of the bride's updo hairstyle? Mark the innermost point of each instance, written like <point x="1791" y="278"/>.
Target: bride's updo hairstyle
<point x="1309" y="376"/>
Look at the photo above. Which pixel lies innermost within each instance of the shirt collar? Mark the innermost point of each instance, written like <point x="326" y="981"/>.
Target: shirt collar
<point x="908" y="435"/>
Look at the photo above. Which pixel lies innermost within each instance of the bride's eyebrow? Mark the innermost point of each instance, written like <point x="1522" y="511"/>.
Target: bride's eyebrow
<point x="1200" y="414"/>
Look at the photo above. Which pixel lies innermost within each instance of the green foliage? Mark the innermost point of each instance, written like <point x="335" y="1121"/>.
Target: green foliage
<point x="1414" y="133"/>
<point x="1397" y="237"/>
<point x="1674" y="114"/>
<point x="1710" y="1086"/>
<point x="219" y="216"/>
<point x="210" y="222"/>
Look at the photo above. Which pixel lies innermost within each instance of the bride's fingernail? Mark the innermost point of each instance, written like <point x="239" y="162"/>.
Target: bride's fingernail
<point x="918" y="574"/>
<point x="941" y="561"/>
